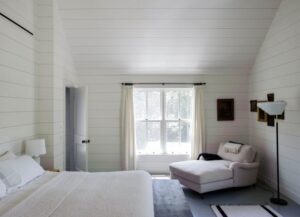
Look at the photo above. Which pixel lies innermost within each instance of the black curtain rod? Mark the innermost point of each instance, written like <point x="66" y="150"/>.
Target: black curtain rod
<point x="14" y="22"/>
<point x="130" y="84"/>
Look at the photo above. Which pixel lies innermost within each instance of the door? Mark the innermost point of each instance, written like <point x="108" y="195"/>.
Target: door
<point x="80" y="129"/>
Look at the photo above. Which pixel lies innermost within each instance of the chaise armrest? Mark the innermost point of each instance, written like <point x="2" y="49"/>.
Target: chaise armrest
<point x="235" y="165"/>
<point x="244" y="174"/>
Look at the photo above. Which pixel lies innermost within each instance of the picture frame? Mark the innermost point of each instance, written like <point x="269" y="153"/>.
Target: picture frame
<point x="270" y="118"/>
<point x="281" y="117"/>
<point x="261" y="115"/>
<point x="225" y="109"/>
<point x="253" y="105"/>
<point x="270" y="97"/>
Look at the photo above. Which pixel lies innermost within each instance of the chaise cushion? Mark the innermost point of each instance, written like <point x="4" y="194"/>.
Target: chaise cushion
<point x="201" y="172"/>
<point x="246" y="155"/>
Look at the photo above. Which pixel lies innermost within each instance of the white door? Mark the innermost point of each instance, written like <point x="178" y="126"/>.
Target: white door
<point x="80" y="129"/>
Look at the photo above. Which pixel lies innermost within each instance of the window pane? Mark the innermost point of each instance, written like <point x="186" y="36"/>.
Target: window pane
<point x="141" y="137"/>
<point x="185" y="104"/>
<point x="176" y="133"/>
<point x="185" y="129"/>
<point x="154" y="105"/>
<point x="172" y="137"/>
<point x="154" y="145"/>
<point x="172" y="101"/>
<point x="139" y="98"/>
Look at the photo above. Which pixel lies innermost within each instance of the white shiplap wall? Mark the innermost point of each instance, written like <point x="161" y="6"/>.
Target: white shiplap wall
<point x="33" y="73"/>
<point x="64" y="75"/>
<point x="104" y="112"/>
<point x="45" y="81"/>
<point x="17" y="76"/>
<point x="277" y="70"/>
<point x="55" y="70"/>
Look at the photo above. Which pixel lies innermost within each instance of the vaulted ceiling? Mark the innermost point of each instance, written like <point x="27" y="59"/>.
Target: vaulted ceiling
<point x="166" y="36"/>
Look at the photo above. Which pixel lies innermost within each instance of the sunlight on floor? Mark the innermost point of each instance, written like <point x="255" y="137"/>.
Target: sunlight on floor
<point x="160" y="176"/>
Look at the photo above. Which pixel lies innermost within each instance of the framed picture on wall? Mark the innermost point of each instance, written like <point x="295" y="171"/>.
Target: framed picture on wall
<point x="253" y="105"/>
<point x="270" y="97"/>
<point x="225" y="109"/>
<point x="261" y="115"/>
<point x="270" y="118"/>
<point x="281" y="117"/>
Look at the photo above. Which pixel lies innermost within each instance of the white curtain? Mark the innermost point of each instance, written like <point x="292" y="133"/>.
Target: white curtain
<point x="127" y="129"/>
<point x="198" y="125"/>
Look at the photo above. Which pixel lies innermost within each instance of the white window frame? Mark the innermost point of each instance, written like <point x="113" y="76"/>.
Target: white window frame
<point x="163" y="121"/>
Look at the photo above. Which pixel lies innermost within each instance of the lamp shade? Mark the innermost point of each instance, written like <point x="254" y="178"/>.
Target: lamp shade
<point x="35" y="147"/>
<point x="273" y="108"/>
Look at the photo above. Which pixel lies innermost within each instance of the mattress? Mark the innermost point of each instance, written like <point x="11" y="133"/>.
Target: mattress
<point x="80" y="194"/>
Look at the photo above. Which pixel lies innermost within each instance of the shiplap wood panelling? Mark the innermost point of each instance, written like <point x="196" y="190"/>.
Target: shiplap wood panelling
<point x="55" y="71"/>
<point x="17" y="78"/>
<point x="104" y="113"/>
<point x="140" y="37"/>
<point x="277" y="70"/>
<point x="64" y="75"/>
<point x="44" y="71"/>
<point x="21" y="12"/>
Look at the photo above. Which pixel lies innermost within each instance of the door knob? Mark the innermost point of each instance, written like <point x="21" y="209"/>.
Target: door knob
<point x="86" y="141"/>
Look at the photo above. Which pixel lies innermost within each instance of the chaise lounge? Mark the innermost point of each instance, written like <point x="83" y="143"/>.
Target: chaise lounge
<point x="233" y="170"/>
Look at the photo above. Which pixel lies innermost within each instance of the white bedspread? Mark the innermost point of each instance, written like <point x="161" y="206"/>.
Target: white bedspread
<point x="79" y="194"/>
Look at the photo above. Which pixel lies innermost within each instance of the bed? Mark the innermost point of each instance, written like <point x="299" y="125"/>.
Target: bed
<point x="82" y="194"/>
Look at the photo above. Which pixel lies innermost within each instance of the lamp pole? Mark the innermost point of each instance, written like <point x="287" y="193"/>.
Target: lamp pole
<point x="278" y="200"/>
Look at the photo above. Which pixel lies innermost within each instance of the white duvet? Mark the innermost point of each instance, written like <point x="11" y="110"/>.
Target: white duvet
<point x="80" y="194"/>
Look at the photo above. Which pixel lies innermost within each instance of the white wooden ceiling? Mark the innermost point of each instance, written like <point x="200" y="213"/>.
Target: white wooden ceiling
<point x="166" y="36"/>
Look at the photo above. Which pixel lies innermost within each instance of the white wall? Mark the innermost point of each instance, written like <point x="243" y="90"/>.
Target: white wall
<point x="17" y="76"/>
<point x="64" y="75"/>
<point x="104" y="112"/>
<point x="45" y="81"/>
<point x="34" y="71"/>
<point x="55" y="70"/>
<point x="277" y="70"/>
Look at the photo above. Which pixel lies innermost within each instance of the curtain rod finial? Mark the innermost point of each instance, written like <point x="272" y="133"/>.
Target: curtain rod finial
<point x="127" y="84"/>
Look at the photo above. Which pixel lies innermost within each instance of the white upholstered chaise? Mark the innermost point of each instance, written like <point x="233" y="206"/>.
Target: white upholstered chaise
<point x="234" y="170"/>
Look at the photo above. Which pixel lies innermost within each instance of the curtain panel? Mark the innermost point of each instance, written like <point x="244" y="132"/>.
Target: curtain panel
<point x="127" y="129"/>
<point x="198" y="122"/>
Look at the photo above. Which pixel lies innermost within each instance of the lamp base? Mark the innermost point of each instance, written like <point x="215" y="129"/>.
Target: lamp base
<point x="279" y="201"/>
<point x="37" y="159"/>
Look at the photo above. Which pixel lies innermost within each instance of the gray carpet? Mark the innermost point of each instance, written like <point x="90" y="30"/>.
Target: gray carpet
<point x="169" y="199"/>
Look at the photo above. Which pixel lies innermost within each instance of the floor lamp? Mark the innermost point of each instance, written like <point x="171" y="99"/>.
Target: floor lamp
<point x="275" y="108"/>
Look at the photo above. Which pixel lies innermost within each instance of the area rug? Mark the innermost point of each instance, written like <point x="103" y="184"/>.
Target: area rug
<point x="169" y="199"/>
<point x="244" y="211"/>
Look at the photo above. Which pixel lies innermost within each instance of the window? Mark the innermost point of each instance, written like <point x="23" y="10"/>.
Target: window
<point x="163" y="120"/>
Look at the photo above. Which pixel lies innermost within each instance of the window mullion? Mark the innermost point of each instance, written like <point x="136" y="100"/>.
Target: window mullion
<point x="163" y="123"/>
<point x="179" y="117"/>
<point x="146" y="119"/>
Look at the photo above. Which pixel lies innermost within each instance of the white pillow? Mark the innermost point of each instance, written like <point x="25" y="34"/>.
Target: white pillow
<point x="7" y="156"/>
<point x="232" y="147"/>
<point x="246" y="155"/>
<point x="10" y="178"/>
<point x="24" y="167"/>
<point x="2" y="189"/>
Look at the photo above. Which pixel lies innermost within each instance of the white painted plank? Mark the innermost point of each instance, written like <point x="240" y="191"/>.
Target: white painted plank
<point x="169" y="4"/>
